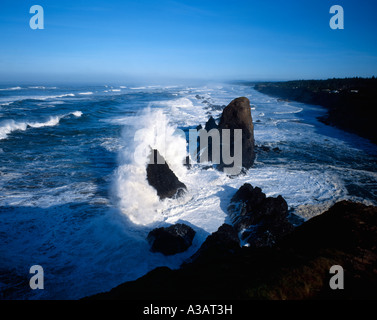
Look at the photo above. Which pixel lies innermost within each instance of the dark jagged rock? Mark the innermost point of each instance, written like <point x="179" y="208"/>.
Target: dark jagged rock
<point x="171" y="240"/>
<point x="265" y="148"/>
<point x="162" y="178"/>
<point x="260" y="220"/>
<point x="237" y="115"/>
<point x="211" y="124"/>
<point x="297" y="267"/>
<point x="225" y="240"/>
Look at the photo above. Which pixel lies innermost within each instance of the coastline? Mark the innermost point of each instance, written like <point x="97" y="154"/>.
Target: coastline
<point x="284" y="166"/>
<point x="350" y="102"/>
<point x="296" y="267"/>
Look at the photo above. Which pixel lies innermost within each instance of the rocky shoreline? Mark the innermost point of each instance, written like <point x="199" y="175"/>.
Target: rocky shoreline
<point x="350" y="102"/>
<point x="262" y="254"/>
<point x="296" y="267"/>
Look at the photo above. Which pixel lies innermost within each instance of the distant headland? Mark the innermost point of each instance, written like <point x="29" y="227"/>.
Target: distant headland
<point x="350" y="101"/>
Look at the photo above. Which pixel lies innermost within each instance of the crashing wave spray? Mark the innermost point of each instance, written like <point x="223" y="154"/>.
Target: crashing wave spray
<point x="136" y="198"/>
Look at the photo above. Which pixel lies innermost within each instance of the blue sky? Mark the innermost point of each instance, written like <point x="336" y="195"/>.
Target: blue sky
<point x="197" y="39"/>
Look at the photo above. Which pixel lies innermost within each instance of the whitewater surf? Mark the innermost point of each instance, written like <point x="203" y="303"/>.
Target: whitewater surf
<point x="75" y="200"/>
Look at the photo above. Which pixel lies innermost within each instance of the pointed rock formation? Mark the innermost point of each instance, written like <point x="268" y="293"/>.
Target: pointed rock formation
<point x="162" y="178"/>
<point x="211" y="124"/>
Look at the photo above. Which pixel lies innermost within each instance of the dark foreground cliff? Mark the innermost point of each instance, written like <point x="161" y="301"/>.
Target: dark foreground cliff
<point x="297" y="267"/>
<point x="351" y="102"/>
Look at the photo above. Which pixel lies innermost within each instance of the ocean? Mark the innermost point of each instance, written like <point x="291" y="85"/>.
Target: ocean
<point x="75" y="200"/>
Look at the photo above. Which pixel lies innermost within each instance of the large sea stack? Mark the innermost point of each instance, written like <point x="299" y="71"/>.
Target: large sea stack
<point x="237" y="115"/>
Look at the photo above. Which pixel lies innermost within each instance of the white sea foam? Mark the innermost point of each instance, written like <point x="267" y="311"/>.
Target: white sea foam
<point x="210" y="191"/>
<point x="108" y="240"/>
<point x="11" y="89"/>
<point x="45" y="198"/>
<point x="289" y="109"/>
<point x="86" y="93"/>
<point x="66" y="95"/>
<point x="8" y="126"/>
<point x="137" y="199"/>
<point x="9" y="100"/>
<point x="183" y="111"/>
<point x="77" y="113"/>
<point x="42" y="87"/>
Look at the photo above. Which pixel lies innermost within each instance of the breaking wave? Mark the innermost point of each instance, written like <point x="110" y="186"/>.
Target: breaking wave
<point x="9" y="126"/>
<point x="137" y="199"/>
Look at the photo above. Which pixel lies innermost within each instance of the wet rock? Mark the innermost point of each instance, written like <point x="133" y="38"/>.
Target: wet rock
<point x="171" y="240"/>
<point x="187" y="162"/>
<point x="220" y="243"/>
<point x="296" y="268"/>
<point x="237" y="115"/>
<point x="260" y="220"/>
<point x="264" y="148"/>
<point x="211" y="124"/>
<point x="162" y="178"/>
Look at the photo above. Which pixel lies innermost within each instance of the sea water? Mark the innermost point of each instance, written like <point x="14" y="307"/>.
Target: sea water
<point x="75" y="199"/>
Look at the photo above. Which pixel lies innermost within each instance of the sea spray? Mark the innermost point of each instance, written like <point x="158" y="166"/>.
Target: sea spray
<point x="54" y="201"/>
<point x="137" y="199"/>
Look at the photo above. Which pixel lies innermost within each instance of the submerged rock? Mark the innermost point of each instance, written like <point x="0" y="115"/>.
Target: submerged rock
<point x="162" y="178"/>
<point x="263" y="148"/>
<point x="171" y="240"/>
<point x="260" y="220"/>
